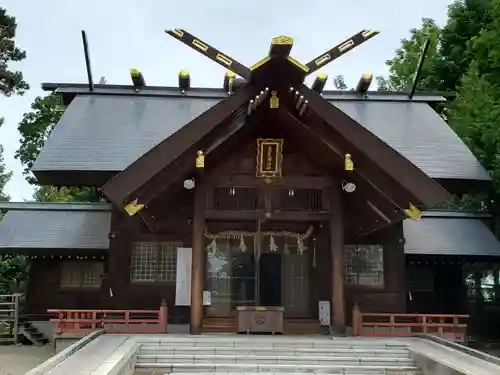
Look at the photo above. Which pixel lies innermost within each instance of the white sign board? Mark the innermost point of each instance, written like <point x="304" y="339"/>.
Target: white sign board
<point x="183" y="281"/>
<point x="324" y="313"/>
<point x="207" y="298"/>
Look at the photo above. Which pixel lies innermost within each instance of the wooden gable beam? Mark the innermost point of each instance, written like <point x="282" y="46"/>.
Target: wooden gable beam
<point x="372" y="176"/>
<point x="359" y="217"/>
<point x="364" y="144"/>
<point x="149" y="165"/>
<point x="385" y="211"/>
<point x="227" y="137"/>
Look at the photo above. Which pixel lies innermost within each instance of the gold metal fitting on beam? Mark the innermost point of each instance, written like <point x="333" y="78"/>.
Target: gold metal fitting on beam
<point x="348" y="163"/>
<point x="200" y="159"/>
<point x="413" y="212"/>
<point x="134" y="207"/>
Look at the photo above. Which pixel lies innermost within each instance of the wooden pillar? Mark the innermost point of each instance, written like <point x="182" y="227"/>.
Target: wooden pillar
<point x="337" y="256"/>
<point x="198" y="246"/>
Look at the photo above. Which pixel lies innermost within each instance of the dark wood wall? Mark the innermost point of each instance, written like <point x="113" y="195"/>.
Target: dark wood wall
<point x="44" y="292"/>
<point x="392" y="296"/>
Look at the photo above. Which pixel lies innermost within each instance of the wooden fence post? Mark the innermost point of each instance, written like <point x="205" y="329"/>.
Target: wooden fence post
<point x="356" y="320"/>
<point x="163" y="316"/>
<point x="17" y="308"/>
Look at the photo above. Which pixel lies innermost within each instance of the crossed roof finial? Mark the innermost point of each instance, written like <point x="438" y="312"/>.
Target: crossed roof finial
<point x="281" y="47"/>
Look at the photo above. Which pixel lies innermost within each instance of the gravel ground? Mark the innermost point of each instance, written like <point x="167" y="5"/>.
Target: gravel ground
<point x="17" y="360"/>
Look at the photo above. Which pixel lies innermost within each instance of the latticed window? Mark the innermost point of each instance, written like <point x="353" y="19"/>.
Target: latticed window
<point x="364" y="264"/>
<point x="154" y="261"/>
<point x="80" y="274"/>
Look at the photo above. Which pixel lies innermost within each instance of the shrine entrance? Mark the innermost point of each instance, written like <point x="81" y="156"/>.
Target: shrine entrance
<point x="243" y="271"/>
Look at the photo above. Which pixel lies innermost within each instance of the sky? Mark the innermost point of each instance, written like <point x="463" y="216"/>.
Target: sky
<point x="130" y="33"/>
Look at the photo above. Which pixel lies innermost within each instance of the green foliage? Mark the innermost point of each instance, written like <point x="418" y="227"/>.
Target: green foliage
<point x="464" y="57"/>
<point x="11" y="82"/>
<point x="403" y="66"/>
<point x="66" y="194"/>
<point x="449" y="55"/>
<point x="466" y="18"/>
<point x="4" y="178"/>
<point x="475" y="113"/>
<point x="34" y="128"/>
<point x="339" y="82"/>
<point x="13" y="273"/>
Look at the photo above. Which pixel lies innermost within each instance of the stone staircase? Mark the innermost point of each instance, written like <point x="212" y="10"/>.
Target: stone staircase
<point x="224" y="354"/>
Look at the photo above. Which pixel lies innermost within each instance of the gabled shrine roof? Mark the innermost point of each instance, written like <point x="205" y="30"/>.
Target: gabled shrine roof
<point x="28" y="227"/>
<point x="110" y="128"/>
<point x="450" y="233"/>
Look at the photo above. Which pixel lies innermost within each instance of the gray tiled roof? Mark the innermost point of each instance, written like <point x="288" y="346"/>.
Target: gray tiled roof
<point x="56" y="226"/>
<point x="109" y="132"/>
<point x="449" y="235"/>
<point x="418" y="133"/>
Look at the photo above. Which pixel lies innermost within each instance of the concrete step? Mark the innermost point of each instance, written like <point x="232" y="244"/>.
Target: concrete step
<point x="271" y="360"/>
<point x="296" y="352"/>
<point x="276" y="368"/>
<point x="265" y="343"/>
<point x="416" y="372"/>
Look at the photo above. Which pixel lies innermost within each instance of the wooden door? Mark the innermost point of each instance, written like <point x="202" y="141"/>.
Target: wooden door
<point x="296" y="285"/>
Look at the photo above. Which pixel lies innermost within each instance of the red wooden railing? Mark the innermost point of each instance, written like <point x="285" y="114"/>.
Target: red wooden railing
<point x="112" y="321"/>
<point x="400" y="325"/>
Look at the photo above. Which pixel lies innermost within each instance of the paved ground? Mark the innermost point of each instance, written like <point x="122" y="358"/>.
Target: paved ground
<point x="17" y="360"/>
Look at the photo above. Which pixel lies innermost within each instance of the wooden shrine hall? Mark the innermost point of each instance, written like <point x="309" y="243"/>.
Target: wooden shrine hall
<point x="262" y="203"/>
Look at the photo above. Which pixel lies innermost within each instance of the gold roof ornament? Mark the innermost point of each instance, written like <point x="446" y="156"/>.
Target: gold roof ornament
<point x="283" y="39"/>
<point x="200" y="159"/>
<point x="413" y="212"/>
<point x="134" y="207"/>
<point x="348" y="163"/>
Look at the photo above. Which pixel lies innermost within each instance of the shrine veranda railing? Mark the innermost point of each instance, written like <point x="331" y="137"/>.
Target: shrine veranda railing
<point x="112" y="321"/>
<point x="448" y="326"/>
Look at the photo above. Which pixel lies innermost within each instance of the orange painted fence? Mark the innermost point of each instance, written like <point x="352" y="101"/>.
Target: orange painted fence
<point x="400" y="325"/>
<point x="112" y="321"/>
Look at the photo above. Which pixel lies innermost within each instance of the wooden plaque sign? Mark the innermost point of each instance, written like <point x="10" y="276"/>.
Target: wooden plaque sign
<point x="269" y="158"/>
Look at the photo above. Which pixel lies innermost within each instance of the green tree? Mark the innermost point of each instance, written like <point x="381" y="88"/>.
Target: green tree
<point x="12" y="267"/>
<point x="11" y="82"/>
<point x="66" y="194"/>
<point x="35" y="127"/>
<point x="466" y="19"/>
<point x="339" y="82"/>
<point x="13" y="272"/>
<point x="403" y="66"/>
<point x="4" y="178"/>
<point x="474" y="114"/>
<point x="449" y="55"/>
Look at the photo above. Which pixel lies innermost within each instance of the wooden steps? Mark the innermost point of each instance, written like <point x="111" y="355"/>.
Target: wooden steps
<point x="303" y="327"/>
<point x="294" y="326"/>
<point x="219" y="325"/>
